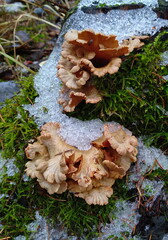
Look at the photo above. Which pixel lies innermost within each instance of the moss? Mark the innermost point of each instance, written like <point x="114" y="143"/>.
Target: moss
<point x="16" y="126"/>
<point x="135" y="96"/>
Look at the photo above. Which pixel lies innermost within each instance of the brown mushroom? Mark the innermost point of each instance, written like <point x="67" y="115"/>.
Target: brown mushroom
<point x="89" y="174"/>
<point x="86" y="53"/>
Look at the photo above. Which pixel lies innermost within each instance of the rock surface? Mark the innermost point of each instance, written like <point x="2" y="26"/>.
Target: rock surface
<point x="8" y="90"/>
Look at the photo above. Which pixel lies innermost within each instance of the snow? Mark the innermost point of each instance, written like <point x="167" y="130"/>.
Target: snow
<point x="164" y="60"/>
<point x="7" y="167"/>
<point x="126" y="218"/>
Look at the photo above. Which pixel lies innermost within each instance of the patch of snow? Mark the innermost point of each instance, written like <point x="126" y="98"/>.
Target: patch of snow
<point x="25" y="178"/>
<point x="126" y="218"/>
<point x="164" y="57"/>
<point x="123" y="24"/>
<point x="149" y="158"/>
<point x="152" y="188"/>
<point x="7" y="167"/>
<point x="42" y="230"/>
<point x="4" y="195"/>
<point x="20" y="237"/>
<point x="165" y="237"/>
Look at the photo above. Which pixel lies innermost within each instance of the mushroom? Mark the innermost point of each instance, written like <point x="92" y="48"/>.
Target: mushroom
<point x="49" y="156"/>
<point x="35" y="152"/>
<point x="86" y="53"/>
<point x="119" y="150"/>
<point x="96" y="196"/>
<point x="89" y="174"/>
<point x="88" y="93"/>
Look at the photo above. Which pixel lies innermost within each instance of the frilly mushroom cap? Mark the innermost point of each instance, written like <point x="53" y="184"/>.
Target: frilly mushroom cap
<point x="53" y="142"/>
<point x="56" y="170"/>
<point x="74" y="53"/>
<point x="90" y="40"/>
<point x="89" y="174"/>
<point x="119" y="149"/>
<point x="132" y="43"/>
<point x="96" y="196"/>
<point x="98" y="67"/>
<point x="49" y="156"/>
<point x="52" y="187"/>
<point x="89" y="167"/>
<point x="72" y="75"/>
<point x="123" y="143"/>
<point x="74" y="187"/>
<point x="105" y="51"/>
<point x="31" y="170"/>
<point x="88" y="93"/>
<point x="35" y="152"/>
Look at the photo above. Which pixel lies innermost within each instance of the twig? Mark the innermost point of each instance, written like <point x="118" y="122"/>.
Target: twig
<point x="6" y="58"/>
<point x="58" y="4"/>
<point x="61" y="200"/>
<point x="159" y="164"/>
<point x="17" y="62"/>
<point x="30" y="100"/>
<point x="135" y="96"/>
<point x="5" y="238"/>
<point x="160" y="77"/>
<point x="67" y="4"/>
<point x="2" y="118"/>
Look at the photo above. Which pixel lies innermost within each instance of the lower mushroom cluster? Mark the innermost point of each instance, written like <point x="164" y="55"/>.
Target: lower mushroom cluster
<point x="89" y="174"/>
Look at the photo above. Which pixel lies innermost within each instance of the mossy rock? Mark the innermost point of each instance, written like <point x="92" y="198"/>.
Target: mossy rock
<point x="125" y="101"/>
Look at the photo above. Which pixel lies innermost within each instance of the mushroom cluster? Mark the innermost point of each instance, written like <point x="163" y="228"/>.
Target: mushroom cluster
<point x="85" y="53"/>
<point x="89" y="174"/>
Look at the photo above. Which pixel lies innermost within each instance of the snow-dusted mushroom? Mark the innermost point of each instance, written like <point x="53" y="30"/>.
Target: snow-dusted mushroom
<point x="86" y="53"/>
<point x="89" y="174"/>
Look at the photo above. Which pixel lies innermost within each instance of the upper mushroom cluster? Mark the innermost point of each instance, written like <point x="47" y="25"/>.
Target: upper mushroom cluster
<point x="89" y="174"/>
<point x="85" y="53"/>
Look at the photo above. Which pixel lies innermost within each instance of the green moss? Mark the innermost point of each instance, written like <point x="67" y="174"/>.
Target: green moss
<point x="16" y="125"/>
<point x="135" y="96"/>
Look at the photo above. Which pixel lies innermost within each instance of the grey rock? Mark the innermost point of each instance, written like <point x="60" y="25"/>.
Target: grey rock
<point x="7" y="90"/>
